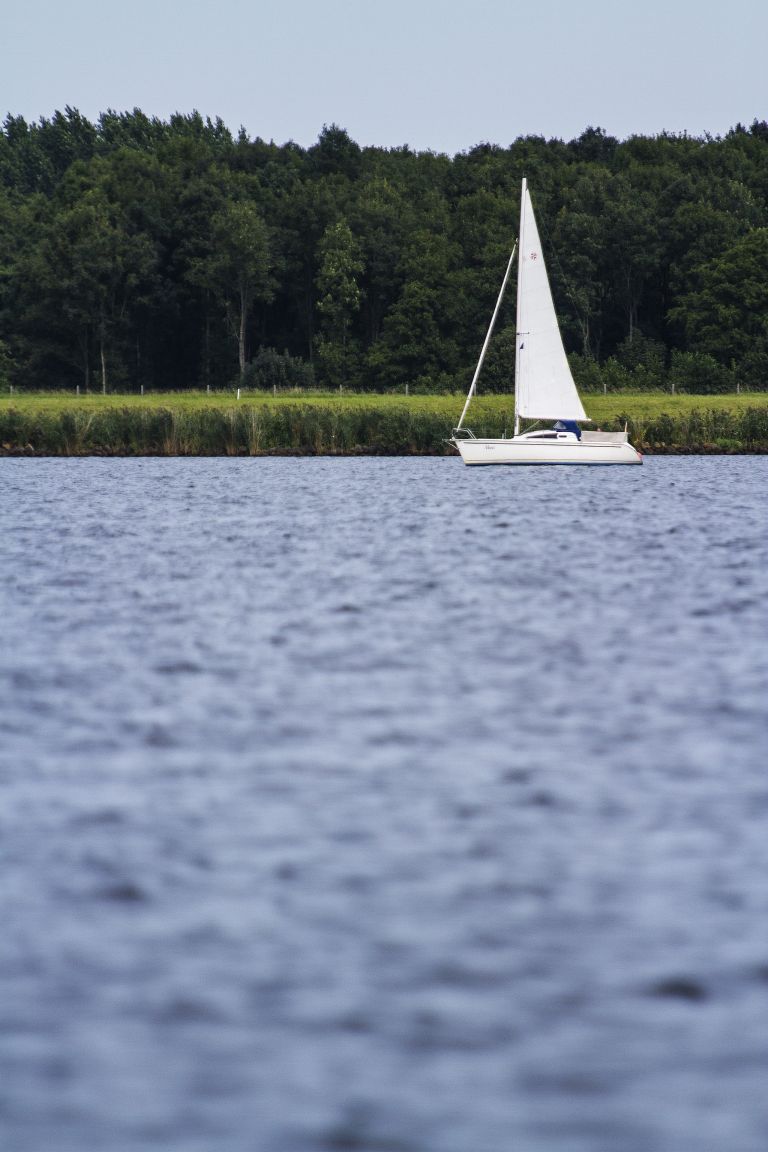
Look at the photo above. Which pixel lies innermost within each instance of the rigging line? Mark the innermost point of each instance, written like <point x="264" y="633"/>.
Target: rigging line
<point x="473" y="385"/>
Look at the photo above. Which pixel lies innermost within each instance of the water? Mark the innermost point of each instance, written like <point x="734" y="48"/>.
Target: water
<point x="383" y="805"/>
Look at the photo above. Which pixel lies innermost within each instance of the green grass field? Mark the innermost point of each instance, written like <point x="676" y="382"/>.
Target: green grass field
<point x="637" y="405"/>
<point x="197" y="423"/>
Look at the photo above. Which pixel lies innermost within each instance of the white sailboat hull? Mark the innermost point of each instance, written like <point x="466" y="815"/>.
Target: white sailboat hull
<point x="519" y="450"/>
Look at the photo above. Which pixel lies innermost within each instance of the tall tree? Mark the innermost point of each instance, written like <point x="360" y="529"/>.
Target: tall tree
<point x="339" y="298"/>
<point x="85" y="269"/>
<point x="238" y="266"/>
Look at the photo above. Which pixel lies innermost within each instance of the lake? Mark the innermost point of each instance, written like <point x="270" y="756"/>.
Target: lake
<point x="383" y="804"/>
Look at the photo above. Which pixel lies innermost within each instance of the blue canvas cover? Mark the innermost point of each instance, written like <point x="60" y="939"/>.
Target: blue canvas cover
<point x="568" y="426"/>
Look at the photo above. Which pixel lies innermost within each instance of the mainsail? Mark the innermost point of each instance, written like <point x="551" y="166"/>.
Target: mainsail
<point x="544" y="387"/>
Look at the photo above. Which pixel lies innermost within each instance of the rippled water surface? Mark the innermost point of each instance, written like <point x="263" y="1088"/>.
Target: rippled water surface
<point x="356" y="804"/>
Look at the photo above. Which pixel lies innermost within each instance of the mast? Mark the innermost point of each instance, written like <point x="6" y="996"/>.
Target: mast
<point x="544" y="384"/>
<point x="473" y="385"/>
<point x="523" y="192"/>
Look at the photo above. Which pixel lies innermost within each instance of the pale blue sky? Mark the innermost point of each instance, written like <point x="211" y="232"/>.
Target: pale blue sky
<point x="440" y="76"/>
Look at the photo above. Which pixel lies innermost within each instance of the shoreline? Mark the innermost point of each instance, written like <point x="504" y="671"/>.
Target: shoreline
<point x="350" y="425"/>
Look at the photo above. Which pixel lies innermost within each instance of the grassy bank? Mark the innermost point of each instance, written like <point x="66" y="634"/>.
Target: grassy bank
<point x="198" y="424"/>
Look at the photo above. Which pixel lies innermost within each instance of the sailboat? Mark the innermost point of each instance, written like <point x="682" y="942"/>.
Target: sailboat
<point x="544" y="387"/>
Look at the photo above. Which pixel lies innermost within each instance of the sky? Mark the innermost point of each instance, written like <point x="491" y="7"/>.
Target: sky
<point x="435" y="76"/>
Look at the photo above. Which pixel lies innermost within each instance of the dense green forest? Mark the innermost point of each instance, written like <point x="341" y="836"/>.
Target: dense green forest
<point x="171" y="255"/>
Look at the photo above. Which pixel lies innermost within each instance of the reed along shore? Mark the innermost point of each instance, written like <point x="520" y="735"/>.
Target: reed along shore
<point x="196" y="424"/>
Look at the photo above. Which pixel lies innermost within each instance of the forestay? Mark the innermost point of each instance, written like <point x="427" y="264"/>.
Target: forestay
<point x="544" y="387"/>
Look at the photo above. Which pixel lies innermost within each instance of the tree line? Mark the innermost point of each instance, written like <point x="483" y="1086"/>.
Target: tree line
<point x="137" y="252"/>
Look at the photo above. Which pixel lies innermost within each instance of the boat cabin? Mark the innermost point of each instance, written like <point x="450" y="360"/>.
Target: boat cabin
<point x="552" y="434"/>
